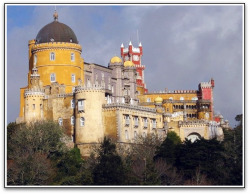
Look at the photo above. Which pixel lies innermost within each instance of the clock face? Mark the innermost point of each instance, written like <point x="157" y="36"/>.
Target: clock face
<point x="136" y="58"/>
<point x="126" y="58"/>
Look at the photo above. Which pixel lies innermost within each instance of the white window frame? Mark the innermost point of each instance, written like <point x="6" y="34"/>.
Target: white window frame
<point x="145" y="123"/>
<point x="148" y="99"/>
<point x="35" y="59"/>
<point x="52" y="56"/>
<point x="73" y="78"/>
<point x="72" y="120"/>
<point x="72" y="56"/>
<point x="154" y="123"/>
<point x="72" y="102"/>
<point x="127" y="120"/>
<point x="82" y="121"/>
<point x="52" y="77"/>
<point x="60" y="121"/>
<point x="81" y="105"/>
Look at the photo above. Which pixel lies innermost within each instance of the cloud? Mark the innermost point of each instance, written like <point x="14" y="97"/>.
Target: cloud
<point x="183" y="45"/>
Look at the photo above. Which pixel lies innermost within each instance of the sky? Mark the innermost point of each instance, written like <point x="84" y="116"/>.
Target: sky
<point x="183" y="45"/>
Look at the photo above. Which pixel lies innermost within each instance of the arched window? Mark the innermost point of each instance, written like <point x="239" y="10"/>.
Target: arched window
<point x="181" y="98"/>
<point x="143" y="134"/>
<point x="72" y="56"/>
<point x="126" y="134"/>
<point x="72" y="120"/>
<point x="82" y="121"/>
<point x="35" y="59"/>
<point x="72" y="103"/>
<point x="52" y="56"/>
<point x="52" y="77"/>
<point x="171" y="98"/>
<point x="60" y="121"/>
<point x="73" y="78"/>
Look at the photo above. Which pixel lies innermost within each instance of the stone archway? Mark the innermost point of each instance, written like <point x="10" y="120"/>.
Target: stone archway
<point x="193" y="137"/>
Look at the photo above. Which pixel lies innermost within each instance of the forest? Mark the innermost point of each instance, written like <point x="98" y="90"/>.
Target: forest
<point x="37" y="154"/>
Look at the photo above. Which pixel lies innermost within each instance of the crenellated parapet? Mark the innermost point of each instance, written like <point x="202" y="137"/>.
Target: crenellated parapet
<point x="34" y="92"/>
<point x="129" y="106"/>
<point x="56" y="45"/>
<point x="84" y="88"/>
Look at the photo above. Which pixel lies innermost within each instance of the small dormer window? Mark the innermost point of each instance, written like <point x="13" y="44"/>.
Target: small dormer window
<point x="52" y="56"/>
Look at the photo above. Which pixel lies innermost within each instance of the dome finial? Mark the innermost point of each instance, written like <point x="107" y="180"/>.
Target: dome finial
<point x="55" y="15"/>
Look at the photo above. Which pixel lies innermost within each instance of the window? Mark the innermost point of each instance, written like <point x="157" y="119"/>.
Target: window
<point x="72" y="103"/>
<point x="52" y="56"/>
<point x="171" y="98"/>
<point x="154" y="124"/>
<point x="72" y="56"/>
<point x="126" y="134"/>
<point x="135" y="134"/>
<point x="81" y="105"/>
<point x="127" y="120"/>
<point x="52" y="77"/>
<point x="41" y="107"/>
<point x="143" y="134"/>
<point x="82" y="121"/>
<point x="60" y="121"/>
<point x="72" y="120"/>
<point x="145" y="123"/>
<point x="73" y="78"/>
<point x="73" y="89"/>
<point x="34" y="106"/>
<point x="136" y="121"/>
<point x="181" y="98"/>
<point x="148" y="99"/>
<point x="35" y="59"/>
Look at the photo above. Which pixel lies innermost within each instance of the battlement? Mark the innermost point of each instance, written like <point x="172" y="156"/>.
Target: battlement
<point x="57" y="45"/>
<point x="89" y="87"/>
<point x="205" y="85"/>
<point x="34" y="92"/>
<point x="129" y="106"/>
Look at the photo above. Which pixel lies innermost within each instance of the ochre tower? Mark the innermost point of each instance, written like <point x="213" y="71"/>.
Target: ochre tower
<point x="135" y="55"/>
<point x="56" y="56"/>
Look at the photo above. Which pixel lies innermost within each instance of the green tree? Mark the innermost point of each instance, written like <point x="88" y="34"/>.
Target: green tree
<point x="233" y="154"/>
<point x="30" y="148"/>
<point x="167" y="150"/>
<point x="109" y="169"/>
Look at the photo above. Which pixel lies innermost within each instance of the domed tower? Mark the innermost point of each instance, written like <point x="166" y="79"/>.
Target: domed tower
<point x="57" y="55"/>
<point x="130" y="82"/>
<point x="117" y="68"/>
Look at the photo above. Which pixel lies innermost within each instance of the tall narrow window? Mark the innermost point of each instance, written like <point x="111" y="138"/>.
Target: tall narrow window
<point x="35" y="59"/>
<point x="60" y="121"/>
<point x="34" y="106"/>
<point x="72" y="103"/>
<point x="135" y="134"/>
<point x="81" y="105"/>
<point x="126" y="134"/>
<point x="72" y="120"/>
<point x="52" y="56"/>
<point x="73" y="78"/>
<point x="52" y="77"/>
<point x="72" y="56"/>
<point x="82" y="121"/>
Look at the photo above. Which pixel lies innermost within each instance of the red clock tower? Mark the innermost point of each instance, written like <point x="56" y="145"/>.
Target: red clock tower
<point x="134" y="54"/>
